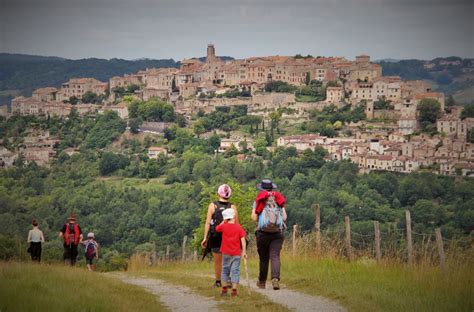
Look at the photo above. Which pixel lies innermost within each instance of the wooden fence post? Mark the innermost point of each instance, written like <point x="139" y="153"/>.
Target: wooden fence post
<point x="439" y="241"/>
<point x="295" y="229"/>
<point x="195" y="249"/>
<point x="183" y="256"/>
<point x="378" y="254"/>
<point x="317" y="227"/>
<point x="167" y="257"/>
<point x="409" y="239"/>
<point x="347" y="222"/>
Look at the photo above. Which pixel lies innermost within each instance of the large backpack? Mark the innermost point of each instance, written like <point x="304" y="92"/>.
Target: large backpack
<point x="271" y="218"/>
<point x="217" y="217"/>
<point x="90" y="249"/>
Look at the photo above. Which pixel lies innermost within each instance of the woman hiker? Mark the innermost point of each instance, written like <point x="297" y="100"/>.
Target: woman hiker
<point x="269" y="213"/>
<point x="35" y="238"/>
<point x="213" y="219"/>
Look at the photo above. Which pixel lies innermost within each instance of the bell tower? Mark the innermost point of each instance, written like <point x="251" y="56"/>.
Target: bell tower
<point x="211" y="52"/>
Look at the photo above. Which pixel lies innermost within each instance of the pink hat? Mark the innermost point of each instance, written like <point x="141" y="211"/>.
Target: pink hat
<point x="224" y="191"/>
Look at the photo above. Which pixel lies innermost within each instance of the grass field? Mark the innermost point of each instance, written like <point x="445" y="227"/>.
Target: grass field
<point x="363" y="286"/>
<point x="29" y="287"/>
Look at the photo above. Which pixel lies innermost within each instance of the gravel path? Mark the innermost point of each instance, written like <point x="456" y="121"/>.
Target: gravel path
<point x="177" y="298"/>
<point x="297" y="301"/>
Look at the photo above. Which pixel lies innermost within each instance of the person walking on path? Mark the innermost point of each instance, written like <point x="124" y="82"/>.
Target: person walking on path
<point x="91" y="250"/>
<point x="269" y="212"/>
<point x="213" y="239"/>
<point x="35" y="238"/>
<point x="72" y="235"/>
<point x="233" y="236"/>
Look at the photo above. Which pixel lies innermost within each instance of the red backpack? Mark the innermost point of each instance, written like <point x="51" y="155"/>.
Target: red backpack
<point x="72" y="234"/>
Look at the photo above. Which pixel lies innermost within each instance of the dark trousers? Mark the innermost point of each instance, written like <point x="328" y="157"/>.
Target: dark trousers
<point x="35" y="251"/>
<point x="70" y="254"/>
<point x="269" y="247"/>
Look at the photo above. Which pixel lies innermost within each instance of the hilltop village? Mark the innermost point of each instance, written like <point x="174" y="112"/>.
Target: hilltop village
<point x="392" y="136"/>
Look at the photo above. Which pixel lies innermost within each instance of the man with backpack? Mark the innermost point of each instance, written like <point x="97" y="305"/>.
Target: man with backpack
<point x="91" y="250"/>
<point x="72" y="235"/>
<point x="269" y="212"/>
<point x="213" y="239"/>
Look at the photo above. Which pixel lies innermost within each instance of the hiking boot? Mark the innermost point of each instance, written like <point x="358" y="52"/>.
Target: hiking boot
<point x="275" y="283"/>
<point x="261" y="284"/>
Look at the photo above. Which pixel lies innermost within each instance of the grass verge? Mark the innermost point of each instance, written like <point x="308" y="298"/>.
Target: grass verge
<point x="368" y="286"/>
<point x="29" y="287"/>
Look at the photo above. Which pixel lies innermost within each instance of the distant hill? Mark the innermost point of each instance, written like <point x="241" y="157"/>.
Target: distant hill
<point x="21" y="74"/>
<point x="451" y="75"/>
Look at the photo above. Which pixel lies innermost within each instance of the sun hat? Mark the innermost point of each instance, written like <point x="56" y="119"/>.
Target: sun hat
<point x="228" y="213"/>
<point x="90" y="235"/>
<point x="224" y="191"/>
<point x="72" y="217"/>
<point x="267" y="185"/>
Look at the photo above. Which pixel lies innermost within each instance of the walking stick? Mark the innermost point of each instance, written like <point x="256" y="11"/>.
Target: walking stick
<point x="247" y="275"/>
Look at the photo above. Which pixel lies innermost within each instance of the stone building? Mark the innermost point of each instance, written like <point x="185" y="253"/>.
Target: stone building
<point x="79" y="86"/>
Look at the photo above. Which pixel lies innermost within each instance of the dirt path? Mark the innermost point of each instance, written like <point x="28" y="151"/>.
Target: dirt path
<point x="176" y="298"/>
<point x="297" y="301"/>
<point x="182" y="298"/>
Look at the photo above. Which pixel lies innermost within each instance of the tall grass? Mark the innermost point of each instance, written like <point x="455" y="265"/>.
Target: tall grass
<point x="34" y="287"/>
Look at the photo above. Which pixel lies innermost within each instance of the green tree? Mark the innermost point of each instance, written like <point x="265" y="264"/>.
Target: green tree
<point x="468" y="111"/>
<point x="429" y="110"/>
<point x="90" y="97"/>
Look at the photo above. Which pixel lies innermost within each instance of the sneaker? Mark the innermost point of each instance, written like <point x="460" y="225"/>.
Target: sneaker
<point x="224" y="291"/>
<point x="261" y="284"/>
<point x="234" y="293"/>
<point x="275" y="283"/>
<point x="217" y="284"/>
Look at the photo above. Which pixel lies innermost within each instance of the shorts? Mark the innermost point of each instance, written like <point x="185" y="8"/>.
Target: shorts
<point x="90" y="260"/>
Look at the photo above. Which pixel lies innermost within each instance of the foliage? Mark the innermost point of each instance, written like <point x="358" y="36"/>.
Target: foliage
<point x="468" y="111"/>
<point x="279" y="86"/>
<point x="107" y="128"/>
<point x="429" y="110"/>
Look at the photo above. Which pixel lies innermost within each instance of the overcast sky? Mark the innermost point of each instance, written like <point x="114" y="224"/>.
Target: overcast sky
<point x="177" y="29"/>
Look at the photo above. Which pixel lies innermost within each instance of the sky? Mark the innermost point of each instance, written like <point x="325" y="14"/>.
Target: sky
<point x="158" y="29"/>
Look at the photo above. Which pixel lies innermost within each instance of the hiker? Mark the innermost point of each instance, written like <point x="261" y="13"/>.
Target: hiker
<point x="72" y="235"/>
<point x="212" y="239"/>
<point x="91" y="250"/>
<point x="35" y="238"/>
<point x="233" y="236"/>
<point x="269" y="212"/>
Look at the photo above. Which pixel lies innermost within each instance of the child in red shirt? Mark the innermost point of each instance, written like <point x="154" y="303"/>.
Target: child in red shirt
<point x="233" y="235"/>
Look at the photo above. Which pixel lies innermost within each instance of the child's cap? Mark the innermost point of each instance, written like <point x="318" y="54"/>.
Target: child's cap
<point x="90" y="235"/>
<point x="228" y="214"/>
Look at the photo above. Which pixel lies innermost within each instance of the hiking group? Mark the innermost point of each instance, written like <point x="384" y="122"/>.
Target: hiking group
<point x="72" y="236"/>
<point x="226" y="239"/>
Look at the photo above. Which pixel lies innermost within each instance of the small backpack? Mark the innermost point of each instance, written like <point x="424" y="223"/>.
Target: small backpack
<point x="271" y="218"/>
<point x="217" y="217"/>
<point x="90" y="249"/>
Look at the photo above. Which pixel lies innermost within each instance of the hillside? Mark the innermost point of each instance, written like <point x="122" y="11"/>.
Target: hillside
<point x="21" y="74"/>
<point x="451" y="75"/>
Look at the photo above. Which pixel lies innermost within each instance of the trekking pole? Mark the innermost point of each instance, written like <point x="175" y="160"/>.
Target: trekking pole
<point x="247" y="275"/>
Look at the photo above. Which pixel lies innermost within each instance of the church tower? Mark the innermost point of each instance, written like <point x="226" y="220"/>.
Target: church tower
<point x="211" y="52"/>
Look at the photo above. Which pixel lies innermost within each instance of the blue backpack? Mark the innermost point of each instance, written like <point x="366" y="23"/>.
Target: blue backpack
<point x="271" y="218"/>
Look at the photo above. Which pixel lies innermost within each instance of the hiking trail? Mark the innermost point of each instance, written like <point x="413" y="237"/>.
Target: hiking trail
<point x="181" y="298"/>
<point x="176" y="298"/>
<point x="297" y="301"/>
